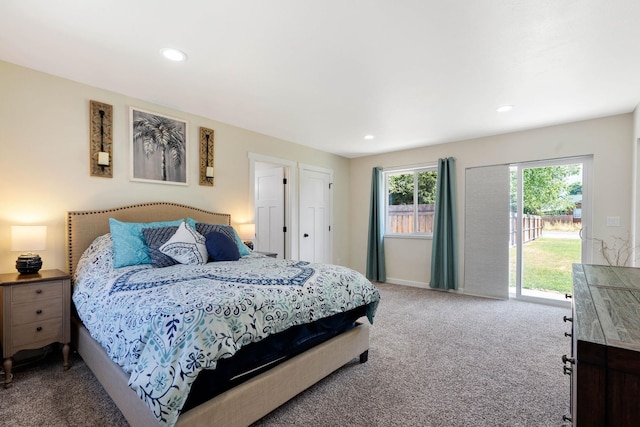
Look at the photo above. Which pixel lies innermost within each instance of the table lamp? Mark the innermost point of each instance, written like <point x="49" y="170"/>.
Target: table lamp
<point x="28" y="238"/>
<point x="247" y="233"/>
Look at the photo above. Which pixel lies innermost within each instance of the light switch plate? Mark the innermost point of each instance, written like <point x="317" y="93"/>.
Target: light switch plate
<point x="613" y="221"/>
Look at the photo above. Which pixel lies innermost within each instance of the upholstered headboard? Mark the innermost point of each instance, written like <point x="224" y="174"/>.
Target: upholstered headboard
<point x="84" y="226"/>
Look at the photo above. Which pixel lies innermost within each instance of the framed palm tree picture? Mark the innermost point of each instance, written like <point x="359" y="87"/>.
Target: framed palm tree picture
<point x="158" y="148"/>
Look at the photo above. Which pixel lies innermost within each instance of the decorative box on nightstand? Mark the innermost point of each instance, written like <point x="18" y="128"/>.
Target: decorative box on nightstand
<point x="35" y="313"/>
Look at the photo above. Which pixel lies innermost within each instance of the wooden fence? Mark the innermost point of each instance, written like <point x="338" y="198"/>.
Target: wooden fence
<point x="564" y="219"/>
<point x="401" y="219"/>
<point x="531" y="228"/>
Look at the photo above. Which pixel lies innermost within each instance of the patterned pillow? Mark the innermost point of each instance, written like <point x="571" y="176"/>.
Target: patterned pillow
<point x="221" y="247"/>
<point x="186" y="246"/>
<point x="129" y="247"/>
<point x="205" y="229"/>
<point x="156" y="237"/>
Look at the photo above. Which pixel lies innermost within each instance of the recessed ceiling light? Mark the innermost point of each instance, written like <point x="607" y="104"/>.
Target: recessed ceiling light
<point x="174" y="54"/>
<point x="369" y="136"/>
<point x="504" y="108"/>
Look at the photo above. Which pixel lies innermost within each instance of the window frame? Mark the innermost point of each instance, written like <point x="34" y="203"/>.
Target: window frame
<point x="415" y="170"/>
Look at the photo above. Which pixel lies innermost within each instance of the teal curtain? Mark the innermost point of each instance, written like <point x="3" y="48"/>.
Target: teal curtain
<point x="444" y="257"/>
<point x="375" y="247"/>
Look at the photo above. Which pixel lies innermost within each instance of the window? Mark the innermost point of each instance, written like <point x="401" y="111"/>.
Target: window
<point x="410" y="197"/>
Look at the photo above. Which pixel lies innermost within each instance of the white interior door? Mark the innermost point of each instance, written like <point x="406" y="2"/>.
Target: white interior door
<point x="269" y="210"/>
<point x="315" y="216"/>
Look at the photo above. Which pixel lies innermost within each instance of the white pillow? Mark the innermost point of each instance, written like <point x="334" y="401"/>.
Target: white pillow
<point x="186" y="246"/>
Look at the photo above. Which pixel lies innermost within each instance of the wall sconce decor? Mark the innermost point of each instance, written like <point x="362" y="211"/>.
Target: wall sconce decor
<point x="206" y="156"/>
<point x="27" y="238"/>
<point x="101" y="139"/>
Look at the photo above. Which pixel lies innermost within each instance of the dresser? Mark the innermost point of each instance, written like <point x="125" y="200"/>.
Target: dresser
<point x="604" y="364"/>
<point x="35" y="313"/>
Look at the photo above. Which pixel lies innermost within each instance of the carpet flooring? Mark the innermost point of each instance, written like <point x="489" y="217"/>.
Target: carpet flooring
<point x="436" y="359"/>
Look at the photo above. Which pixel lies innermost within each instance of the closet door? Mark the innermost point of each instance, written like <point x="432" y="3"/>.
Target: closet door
<point x="315" y="215"/>
<point x="486" y="242"/>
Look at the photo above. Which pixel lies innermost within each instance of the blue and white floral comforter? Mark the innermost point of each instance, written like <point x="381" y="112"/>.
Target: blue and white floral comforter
<point x="164" y="325"/>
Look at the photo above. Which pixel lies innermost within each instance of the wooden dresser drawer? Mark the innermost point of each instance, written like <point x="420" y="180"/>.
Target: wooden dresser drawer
<point x="36" y="292"/>
<point x="37" y="334"/>
<point x="28" y="312"/>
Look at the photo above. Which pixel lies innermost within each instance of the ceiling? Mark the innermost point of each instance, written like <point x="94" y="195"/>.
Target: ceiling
<point x="326" y="73"/>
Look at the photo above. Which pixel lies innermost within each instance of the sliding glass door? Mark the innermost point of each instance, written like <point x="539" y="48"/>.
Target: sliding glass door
<point x="549" y="217"/>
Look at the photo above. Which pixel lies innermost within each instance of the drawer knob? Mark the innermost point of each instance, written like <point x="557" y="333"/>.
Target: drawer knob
<point x="39" y="328"/>
<point x="38" y="311"/>
<point x="567" y="334"/>
<point x="38" y="291"/>
<point x="567" y="370"/>
<point x="567" y="319"/>
<point x="566" y="359"/>
<point x="567" y="296"/>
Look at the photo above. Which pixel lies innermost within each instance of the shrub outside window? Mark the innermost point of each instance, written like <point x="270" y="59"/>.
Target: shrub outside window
<point x="410" y="201"/>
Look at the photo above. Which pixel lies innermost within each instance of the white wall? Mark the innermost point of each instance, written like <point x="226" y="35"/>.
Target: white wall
<point x="609" y="140"/>
<point x="44" y="162"/>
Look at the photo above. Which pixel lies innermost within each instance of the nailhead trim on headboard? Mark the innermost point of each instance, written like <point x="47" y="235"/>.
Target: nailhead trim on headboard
<point x="84" y="226"/>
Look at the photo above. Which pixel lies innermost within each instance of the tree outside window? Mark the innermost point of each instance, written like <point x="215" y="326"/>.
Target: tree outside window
<point x="410" y="201"/>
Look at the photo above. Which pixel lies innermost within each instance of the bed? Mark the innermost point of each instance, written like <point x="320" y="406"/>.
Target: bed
<point x="303" y="345"/>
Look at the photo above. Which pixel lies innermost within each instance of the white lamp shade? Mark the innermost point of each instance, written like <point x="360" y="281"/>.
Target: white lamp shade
<point x="247" y="231"/>
<point x="28" y="238"/>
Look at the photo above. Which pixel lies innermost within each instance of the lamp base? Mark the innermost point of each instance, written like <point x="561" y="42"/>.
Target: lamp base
<point x="28" y="263"/>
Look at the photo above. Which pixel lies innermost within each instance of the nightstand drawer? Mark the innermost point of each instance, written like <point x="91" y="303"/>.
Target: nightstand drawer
<point x="28" y="312"/>
<point x="34" y="312"/>
<point x="37" y="291"/>
<point x="37" y="334"/>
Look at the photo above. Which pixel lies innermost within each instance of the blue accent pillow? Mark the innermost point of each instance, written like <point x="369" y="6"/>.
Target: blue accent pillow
<point x="156" y="237"/>
<point x="129" y="246"/>
<point x="221" y="247"/>
<point x="205" y="229"/>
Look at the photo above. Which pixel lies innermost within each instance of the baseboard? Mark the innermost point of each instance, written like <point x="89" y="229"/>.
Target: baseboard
<point x="393" y="281"/>
<point x="421" y="285"/>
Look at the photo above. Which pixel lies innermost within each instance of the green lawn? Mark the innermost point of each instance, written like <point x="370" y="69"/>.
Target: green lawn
<point x="547" y="264"/>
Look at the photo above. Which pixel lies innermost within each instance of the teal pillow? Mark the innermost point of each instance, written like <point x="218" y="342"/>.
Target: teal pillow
<point x="129" y="245"/>
<point x="242" y="248"/>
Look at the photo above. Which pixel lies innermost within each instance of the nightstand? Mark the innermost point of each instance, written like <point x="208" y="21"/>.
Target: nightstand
<point x="35" y="313"/>
<point x="269" y="254"/>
